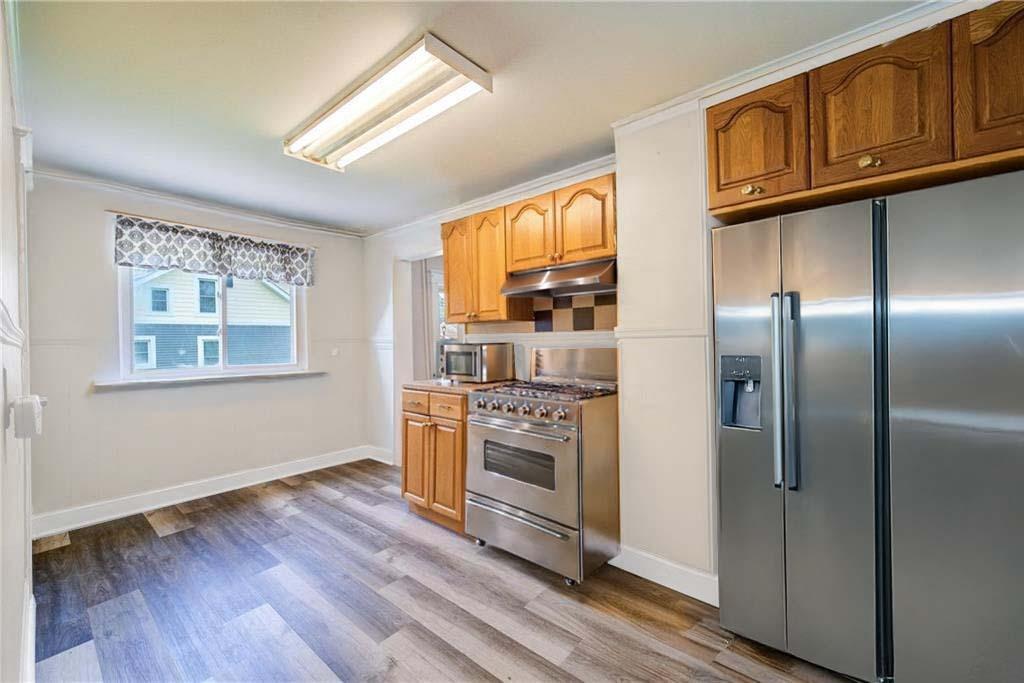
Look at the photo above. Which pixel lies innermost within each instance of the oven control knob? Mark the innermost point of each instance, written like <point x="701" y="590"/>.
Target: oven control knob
<point x="508" y="407"/>
<point x="493" y="405"/>
<point x="541" y="412"/>
<point x="480" y="403"/>
<point x="559" y="414"/>
<point x="524" y="410"/>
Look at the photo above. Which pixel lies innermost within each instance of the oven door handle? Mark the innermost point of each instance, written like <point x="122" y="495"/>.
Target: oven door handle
<point x="561" y="438"/>
<point x="516" y="518"/>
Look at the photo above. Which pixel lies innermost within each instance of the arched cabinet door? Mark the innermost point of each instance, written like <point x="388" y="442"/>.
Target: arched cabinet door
<point x="489" y="264"/>
<point x="757" y="144"/>
<point x="530" y="233"/>
<point x="585" y="220"/>
<point x="882" y="110"/>
<point x="459" y="274"/>
<point x="988" y="79"/>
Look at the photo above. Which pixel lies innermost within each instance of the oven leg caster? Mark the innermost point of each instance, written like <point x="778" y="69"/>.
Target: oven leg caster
<point x="481" y="542"/>
<point x="569" y="582"/>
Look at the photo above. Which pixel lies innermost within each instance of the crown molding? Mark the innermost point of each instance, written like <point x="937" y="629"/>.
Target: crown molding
<point x="213" y="207"/>
<point x="877" y="32"/>
<point x="552" y="181"/>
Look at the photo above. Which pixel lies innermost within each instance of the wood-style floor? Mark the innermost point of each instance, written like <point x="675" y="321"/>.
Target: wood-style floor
<point x="327" y="576"/>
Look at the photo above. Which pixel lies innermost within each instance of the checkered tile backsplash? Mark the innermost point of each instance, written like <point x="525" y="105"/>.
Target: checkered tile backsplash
<point x="575" y="313"/>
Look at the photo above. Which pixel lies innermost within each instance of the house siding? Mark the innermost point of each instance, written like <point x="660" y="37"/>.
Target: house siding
<point x="177" y="345"/>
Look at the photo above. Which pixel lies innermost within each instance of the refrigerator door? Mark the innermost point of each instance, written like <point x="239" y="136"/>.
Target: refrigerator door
<point x="956" y="284"/>
<point x="828" y="335"/>
<point x="750" y="552"/>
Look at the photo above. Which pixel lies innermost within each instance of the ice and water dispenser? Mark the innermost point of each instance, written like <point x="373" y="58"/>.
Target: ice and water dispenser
<point x="741" y="391"/>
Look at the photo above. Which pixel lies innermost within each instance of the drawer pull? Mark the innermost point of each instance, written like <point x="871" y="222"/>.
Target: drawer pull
<point x="752" y="189"/>
<point x="869" y="161"/>
<point x="515" y="518"/>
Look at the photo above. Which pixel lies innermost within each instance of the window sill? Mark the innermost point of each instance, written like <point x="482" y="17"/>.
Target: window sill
<point x="158" y="382"/>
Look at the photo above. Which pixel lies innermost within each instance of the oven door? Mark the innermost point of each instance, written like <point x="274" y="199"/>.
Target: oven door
<point x="531" y="467"/>
<point x="462" y="362"/>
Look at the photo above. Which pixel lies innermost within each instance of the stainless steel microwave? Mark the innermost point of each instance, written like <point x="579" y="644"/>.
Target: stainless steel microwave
<point x="462" y="362"/>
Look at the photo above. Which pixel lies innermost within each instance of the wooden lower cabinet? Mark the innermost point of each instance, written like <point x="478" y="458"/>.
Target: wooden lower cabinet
<point x="416" y="438"/>
<point x="446" y="491"/>
<point x="434" y="460"/>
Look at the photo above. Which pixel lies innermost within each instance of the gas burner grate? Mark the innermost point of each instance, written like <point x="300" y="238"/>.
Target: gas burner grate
<point x="552" y="391"/>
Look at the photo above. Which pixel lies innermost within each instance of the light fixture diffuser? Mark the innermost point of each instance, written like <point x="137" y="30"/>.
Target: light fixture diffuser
<point x="427" y="79"/>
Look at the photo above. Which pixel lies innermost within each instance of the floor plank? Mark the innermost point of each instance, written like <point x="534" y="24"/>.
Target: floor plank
<point x="430" y="658"/>
<point x="262" y="647"/>
<point x="348" y="651"/>
<point x="128" y="644"/>
<point x="76" y="665"/>
<point x="494" y="651"/>
<point x="168" y="520"/>
<point x="41" y="545"/>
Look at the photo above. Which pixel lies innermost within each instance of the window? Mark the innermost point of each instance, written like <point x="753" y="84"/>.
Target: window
<point x="158" y="300"/>
<point x="207" y="295"/>
<point x="144" y="352"/>
<point x="208" y="351"/>
<point x="235" y="326"/>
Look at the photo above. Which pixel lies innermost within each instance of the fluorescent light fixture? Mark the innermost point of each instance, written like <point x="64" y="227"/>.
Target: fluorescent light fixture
<point x="426" y="80"/>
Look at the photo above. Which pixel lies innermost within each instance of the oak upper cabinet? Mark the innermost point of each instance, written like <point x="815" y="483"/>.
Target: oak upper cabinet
<point x="882" y="110"/>
<point x="988" y="79"/>
<point x="488" y="265"/>
<point x="530" y="233"/>
<point x="585" y="220"/>
<point x="446" y="480"/>
<point x="459" y="277"/>
<point x="474" y="270"/>
<point x="757" y="144"/>
<point x="416" y="446"/>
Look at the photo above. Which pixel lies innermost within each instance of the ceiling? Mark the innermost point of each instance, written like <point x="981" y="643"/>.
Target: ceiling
<point x="195" y="98"/>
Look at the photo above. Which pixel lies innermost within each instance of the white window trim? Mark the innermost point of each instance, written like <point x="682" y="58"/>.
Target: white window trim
<point x="149" y="339"/>
<point x="218" y="292"/>
<point x="126" y="304"/>
<point x="168" y="299"/>
<point x="202" y="356"/>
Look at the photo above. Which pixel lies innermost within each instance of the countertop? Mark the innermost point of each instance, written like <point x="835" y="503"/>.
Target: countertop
<point x="462" y="389"/>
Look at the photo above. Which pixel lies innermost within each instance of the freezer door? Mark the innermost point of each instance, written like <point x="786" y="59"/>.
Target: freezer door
<point x="750" y="550"/>
<point x="828" y="308"/>
<point x="956" y="285"/>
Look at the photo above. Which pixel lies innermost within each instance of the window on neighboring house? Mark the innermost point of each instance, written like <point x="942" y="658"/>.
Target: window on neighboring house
<point x="158" y="300"/>
<point x="236" y="324"/>
<point x="144" y="352"/>
<point x="207" y="295"/>
<point x="208" y="351"/>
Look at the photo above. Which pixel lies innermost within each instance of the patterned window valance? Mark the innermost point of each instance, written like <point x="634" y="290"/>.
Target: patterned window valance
<point x="148" y="243"/>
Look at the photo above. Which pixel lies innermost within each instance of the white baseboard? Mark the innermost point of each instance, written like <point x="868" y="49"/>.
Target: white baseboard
<point x="379" y="454"/>
<point x="687" y="580"/>
<point x="28" y="635"/>
<point x="59" y="521"/>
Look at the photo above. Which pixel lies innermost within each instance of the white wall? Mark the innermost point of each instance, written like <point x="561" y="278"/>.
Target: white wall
<point x="102" y="446"/>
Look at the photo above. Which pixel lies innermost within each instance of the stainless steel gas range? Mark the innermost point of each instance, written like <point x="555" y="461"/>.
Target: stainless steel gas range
<point x="542" y="474"/>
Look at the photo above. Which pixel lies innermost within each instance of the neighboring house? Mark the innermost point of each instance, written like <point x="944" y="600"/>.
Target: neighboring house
<point x="177" y="318"/>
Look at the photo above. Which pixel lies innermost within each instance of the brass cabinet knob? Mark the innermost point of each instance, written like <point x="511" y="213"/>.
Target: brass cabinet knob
<point x="558" y="257"/>
<point x="869" y="161"/>
<point x="752" y="189"/>
<point x="551" y="257"/>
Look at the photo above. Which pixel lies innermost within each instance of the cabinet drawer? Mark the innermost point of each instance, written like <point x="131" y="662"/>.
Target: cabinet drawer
<point x="757" y="144"/>
<point x="416" y="402"/>
<point x="883" y="110"/>
<point x="447" y="405"/>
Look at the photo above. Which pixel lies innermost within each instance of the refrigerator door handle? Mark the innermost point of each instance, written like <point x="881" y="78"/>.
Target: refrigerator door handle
<point x="777" y="397"/>
<point x="789" y="314"/>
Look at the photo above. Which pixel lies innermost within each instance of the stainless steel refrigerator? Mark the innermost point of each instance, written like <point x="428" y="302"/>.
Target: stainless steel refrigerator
<point x="871" y="433"/>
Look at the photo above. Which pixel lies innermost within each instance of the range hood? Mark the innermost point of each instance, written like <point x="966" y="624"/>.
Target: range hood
<point x="591" y="277"/>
